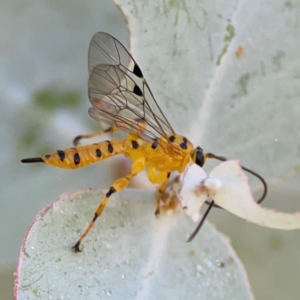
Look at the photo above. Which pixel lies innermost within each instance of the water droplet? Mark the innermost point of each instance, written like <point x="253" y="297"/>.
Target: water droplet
<point x="205" y="283"/>
<point x="199" y="268"/>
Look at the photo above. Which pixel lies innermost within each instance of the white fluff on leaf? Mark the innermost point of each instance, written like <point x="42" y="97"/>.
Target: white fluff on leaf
<point x="228" y="186"/>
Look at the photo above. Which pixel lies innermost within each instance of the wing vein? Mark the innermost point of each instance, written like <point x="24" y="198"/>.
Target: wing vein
<point x="120" y="94"/>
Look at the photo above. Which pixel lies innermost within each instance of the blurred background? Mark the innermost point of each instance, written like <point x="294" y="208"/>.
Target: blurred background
<point x="44" y="103"/>
<point x="43" y="99"/>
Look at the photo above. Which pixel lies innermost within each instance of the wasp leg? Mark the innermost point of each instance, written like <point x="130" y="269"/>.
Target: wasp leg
<point x="155" y="177"/>
<point x="118" y="185"/>
<point x="109" y="130"/>
<point x="159" y="193"/>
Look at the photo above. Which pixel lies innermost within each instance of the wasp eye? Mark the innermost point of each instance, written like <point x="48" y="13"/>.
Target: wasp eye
<point x="198" y="157"/>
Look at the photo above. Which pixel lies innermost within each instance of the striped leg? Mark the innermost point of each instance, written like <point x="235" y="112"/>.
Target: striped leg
<point x="119" y="185"/>
<point x="159" y="193"/>
<point x="109" y="130"/>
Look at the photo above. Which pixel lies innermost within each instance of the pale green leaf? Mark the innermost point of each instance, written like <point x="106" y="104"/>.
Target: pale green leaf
<point x="129" y="254"/>
<point x="246" y="108"/>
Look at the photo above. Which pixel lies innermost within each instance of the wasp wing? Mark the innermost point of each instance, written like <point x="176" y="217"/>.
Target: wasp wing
<point x="116" y="80"/>
<point x="120" y="100"/>
<point x="104" y="49"/>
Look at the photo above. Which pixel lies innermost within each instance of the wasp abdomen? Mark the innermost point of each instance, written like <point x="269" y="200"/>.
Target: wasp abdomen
<point x="77" y="157"/>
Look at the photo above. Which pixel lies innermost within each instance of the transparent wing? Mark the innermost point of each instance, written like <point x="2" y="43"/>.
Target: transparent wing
<point x="104" y="49"/>
<point x="121" y="101"/>
<point x="119" y="91"/>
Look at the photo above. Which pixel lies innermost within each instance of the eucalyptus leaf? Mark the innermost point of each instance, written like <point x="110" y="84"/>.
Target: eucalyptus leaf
<point x="237" y="103"/>
<point x="129" y="254"/>
<point x="226" y="74"/>
<point x="43" y="60"/>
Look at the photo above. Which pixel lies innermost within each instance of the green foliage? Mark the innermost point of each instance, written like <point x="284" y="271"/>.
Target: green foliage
<point x="51" y="99"/>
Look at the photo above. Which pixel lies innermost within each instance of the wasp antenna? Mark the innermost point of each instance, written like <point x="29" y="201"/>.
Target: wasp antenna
<point x="76" y="140"/>
<point x="222" y="158"/>
<point x="32" y="160"/>
<point x="211" y="204"/>
<point x="263" y="196"/>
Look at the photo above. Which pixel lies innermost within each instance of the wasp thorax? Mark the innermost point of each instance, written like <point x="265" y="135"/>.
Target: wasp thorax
<point x="182" y="142"/>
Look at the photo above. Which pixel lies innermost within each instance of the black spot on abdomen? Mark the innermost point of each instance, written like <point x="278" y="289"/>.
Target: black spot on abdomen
<point x="98" y="153"/>
<point x="61" y="154"/>
<point x="110" y="148"/>
<point x="76" y="159"/>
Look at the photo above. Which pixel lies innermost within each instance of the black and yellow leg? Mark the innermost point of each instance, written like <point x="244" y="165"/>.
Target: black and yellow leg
<point x="119" y="185"/>
<point x="109" y="130"/>
<point x="159" y="193"/>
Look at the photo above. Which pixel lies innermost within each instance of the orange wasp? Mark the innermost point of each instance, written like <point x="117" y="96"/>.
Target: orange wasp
<point x="121" y="97"/>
